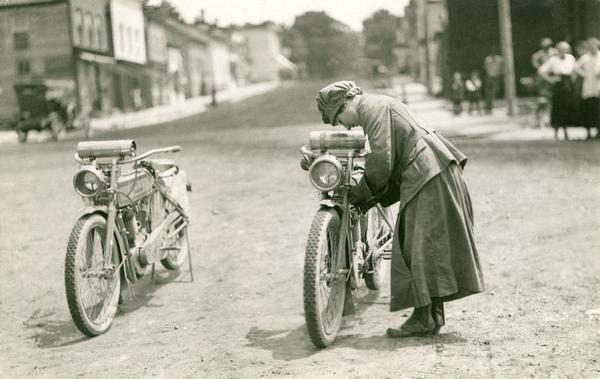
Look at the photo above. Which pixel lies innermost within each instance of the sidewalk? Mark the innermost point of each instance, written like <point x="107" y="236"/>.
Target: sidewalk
<point x="155" y="115"/>
<point x="437" y="113"/>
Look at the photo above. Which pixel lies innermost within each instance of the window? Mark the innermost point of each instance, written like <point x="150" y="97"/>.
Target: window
<point x="137" y="41"/>
<point x="99" y="31"/>
<point x="89" y="29"/>
<point x="122" y="37"/>
<point x="129" y="40"/>
<point x="78" y="24"/>
<point x="21" y="40"/>
<point x="23" y="68"/>
<point x="20" y="22"/>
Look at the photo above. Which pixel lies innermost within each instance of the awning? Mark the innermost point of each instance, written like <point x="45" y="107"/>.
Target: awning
<point x="96" y="58"/>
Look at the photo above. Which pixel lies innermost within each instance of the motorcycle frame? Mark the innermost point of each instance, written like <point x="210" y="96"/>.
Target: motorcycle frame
<point x="349" y="234"/>
<point x="115" y="227"/>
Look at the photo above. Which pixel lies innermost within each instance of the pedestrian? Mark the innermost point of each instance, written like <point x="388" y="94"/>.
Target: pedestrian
<point x="473" y="86"/>
<point x="434" y="257"/>
<point x="493" y="76"/>
<point x="457" y="93"/>
<point x="559" y="70"/>
<point x="588" y="67"/>
<point x="543" y="87"/>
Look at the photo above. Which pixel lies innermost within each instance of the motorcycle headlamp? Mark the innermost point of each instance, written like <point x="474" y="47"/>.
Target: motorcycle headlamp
<point x="325" y="173"/>
<point x="88" y="181"/>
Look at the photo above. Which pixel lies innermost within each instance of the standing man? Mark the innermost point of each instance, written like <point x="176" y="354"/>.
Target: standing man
<point x="588" y="67"/>
<point x="492" y="65"/>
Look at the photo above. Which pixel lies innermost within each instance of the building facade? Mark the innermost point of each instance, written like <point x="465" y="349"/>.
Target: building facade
<point x="132" y="87"/>
<point x="266" y="61"/>
<point x="34" y="44"/>
<point x="90" y="38"/>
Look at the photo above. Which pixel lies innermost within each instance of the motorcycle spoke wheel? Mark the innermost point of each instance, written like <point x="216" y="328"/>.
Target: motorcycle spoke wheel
<point x="92" y="283"/>
<point x="324" y="279"/>
<point x="177" y="251"/>
<point x="377" y="235"/>
<point x="177" y="247"/>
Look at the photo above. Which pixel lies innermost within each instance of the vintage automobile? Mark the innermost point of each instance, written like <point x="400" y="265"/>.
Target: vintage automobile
<point x="48" y="105"/>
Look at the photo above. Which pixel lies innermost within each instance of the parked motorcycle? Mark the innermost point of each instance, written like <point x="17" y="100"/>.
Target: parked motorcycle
<point x="344" y="246"/>
<point x="136" y="215"/>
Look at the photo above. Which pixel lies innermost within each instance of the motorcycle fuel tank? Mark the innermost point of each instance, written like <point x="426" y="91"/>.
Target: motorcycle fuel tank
<point x="134" y="186"/>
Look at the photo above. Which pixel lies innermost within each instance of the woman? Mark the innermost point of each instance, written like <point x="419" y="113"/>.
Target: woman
<point x="588" y="67"/>
<point x="559" y="70"/>
<point x="434" y="258"/>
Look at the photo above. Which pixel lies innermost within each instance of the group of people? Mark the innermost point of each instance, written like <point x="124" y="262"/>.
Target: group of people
<point x="474" y="89"/>
<point x="572" y="84"/>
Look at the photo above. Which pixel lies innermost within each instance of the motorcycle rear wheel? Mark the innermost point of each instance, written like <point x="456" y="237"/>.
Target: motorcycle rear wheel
<point x="377" y="230"/>
<point x="180" y="250"/>
<point x="92" y="287"/>
<point x="324" y="290"/>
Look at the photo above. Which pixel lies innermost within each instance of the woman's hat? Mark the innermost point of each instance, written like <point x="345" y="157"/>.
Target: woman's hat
<point x="332" y="97"/>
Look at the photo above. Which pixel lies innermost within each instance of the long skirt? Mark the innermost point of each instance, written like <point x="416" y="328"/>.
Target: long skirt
<point x="590" y="112"/>
<point x="564" y="103"/>
<point x="434" y="253"/>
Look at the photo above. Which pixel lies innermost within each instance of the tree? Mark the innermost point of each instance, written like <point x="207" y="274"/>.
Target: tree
<point x="331" y="46"/>
<point x="380" y="36"/>
<point x="164" y="10"/>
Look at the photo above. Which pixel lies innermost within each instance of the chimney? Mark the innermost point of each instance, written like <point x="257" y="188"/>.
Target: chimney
<point x="202" y="16"/>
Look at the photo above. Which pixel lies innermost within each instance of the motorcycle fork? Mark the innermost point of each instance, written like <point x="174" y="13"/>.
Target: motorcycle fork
<point x="345" y="237"/>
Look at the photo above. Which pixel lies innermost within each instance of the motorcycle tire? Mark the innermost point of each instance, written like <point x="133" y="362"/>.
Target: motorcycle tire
<point x="175" y="258"/>
<point x="376" y="227"/>
<point x="92" y="288"/>
<point x="324" y="291"/>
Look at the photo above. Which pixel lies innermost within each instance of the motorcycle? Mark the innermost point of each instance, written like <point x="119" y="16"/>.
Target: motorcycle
<point x="136" y="214"/>
<point x="344" y="245"/>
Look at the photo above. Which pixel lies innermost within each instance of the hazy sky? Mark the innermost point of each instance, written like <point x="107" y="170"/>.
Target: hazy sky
<point x="350" y="12"/>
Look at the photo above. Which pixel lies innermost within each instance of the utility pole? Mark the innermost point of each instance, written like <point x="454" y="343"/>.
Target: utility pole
<point x="507" y="53"/>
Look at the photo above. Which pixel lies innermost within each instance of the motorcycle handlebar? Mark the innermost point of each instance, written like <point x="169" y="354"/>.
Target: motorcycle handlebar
<point x="170" y="149"/>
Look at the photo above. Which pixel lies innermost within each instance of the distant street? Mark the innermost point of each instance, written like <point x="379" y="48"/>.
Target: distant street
<point x="537" y="220"/>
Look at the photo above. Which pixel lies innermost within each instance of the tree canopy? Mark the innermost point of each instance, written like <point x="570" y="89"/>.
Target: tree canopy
<point x="331" y="47"/>
<point x="380" y="36"/>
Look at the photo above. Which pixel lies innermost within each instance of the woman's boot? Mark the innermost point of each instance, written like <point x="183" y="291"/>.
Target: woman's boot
<point x="437" y="312"/>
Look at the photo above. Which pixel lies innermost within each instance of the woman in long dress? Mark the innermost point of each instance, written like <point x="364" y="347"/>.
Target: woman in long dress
<point x="434" y="257"/>
<point x="559" y="70"/>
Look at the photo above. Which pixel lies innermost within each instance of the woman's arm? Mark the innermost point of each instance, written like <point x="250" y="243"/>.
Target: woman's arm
<point x="379" y="163"/>
<point x="545" y="70"/>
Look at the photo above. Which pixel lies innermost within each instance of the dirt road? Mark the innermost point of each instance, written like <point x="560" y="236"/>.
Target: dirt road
<point x="537" y="220"/>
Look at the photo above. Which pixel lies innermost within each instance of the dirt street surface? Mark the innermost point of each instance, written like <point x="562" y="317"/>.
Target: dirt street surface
<point x="537" y="223"/>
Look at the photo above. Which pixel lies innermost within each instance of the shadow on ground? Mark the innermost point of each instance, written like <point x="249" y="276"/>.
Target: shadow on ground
<point x="289" y="345"/>
<point x="47" y="331"/>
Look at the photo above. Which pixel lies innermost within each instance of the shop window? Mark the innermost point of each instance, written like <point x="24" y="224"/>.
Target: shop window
<point x="23" y="68"/>
<point x="21" y="40"/>
<point x="78" y="24"/>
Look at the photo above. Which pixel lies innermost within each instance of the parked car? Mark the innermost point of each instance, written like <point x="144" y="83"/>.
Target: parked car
<point x="48" y="105"/>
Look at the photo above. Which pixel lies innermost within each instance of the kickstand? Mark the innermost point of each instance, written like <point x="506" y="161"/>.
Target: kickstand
<point x="152" y="277"/>
<point x="189" y="258"/>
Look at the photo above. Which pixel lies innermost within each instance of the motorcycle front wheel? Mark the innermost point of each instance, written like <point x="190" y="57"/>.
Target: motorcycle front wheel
<point x="92" y="285"/>
<point x="324" y="279"/>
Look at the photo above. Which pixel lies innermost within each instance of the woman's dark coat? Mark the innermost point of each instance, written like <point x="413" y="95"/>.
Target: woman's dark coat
<point x="434" y="253"/>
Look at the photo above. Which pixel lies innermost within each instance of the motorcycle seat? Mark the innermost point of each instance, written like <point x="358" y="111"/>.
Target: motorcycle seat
<point x="162" y="165"/>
